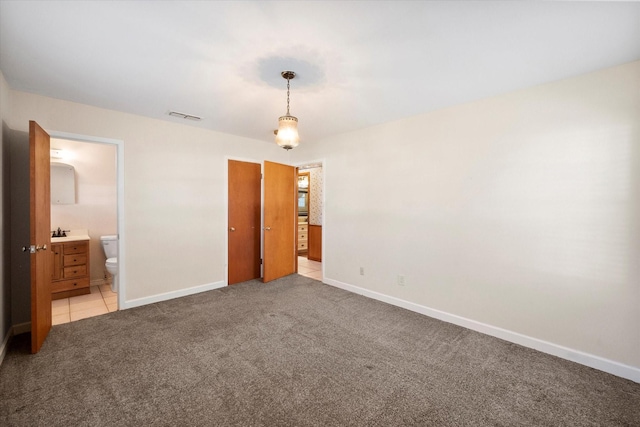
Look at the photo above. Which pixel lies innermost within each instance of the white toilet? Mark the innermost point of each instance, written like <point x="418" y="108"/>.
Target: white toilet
<point x="110" y="247"/>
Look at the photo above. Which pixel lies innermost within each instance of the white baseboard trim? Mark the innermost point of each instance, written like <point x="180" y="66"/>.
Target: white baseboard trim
<point x="610" y="366"/>
<point x="5" y="344"/>
<point x="171" y="295"/>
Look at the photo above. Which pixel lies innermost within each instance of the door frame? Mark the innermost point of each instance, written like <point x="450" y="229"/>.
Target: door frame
<point x="122" y="282"/>
<point x="323" y="163"/>
<point x="226" y="211"/>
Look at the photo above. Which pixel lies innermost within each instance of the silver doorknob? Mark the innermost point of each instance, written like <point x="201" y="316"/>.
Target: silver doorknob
<point x="232" y="229"/>
<point x="267" y="229"/>
<point x="41" y="248"/>
<point x="31" y="249"/>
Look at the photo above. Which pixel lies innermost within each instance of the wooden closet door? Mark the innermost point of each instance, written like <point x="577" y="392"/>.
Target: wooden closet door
<point x="280" y="220"/>
<point x="244" y="221"/>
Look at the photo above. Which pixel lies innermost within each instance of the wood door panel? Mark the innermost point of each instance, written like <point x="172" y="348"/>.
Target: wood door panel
<point x="40" y="224"/>
<point x="280" y="220"/>
<point x="244" y="221"/>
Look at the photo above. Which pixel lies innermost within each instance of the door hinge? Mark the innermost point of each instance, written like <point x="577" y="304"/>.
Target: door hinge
<point x="260" y="261"/>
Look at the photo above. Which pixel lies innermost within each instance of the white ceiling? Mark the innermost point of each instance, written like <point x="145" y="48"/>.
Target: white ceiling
<point x="359" y="63"/>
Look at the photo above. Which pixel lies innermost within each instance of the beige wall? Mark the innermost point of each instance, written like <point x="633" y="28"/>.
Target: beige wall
<point x="5" y="285"/>
<point x="96" y="196"/>
<point x="174" y="176"/>
<point x="520" y="211"/>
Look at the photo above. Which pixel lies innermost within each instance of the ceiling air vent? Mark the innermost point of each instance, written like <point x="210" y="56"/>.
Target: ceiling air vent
<point x="184" y="116"/>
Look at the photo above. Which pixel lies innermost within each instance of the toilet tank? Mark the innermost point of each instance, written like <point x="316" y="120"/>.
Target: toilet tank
<point x="110" y="245"/>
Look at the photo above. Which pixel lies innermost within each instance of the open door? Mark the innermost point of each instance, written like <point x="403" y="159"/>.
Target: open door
<point x="244" y="221"/>
<point x="280" y="221"/>
<point x="40" y="237"/>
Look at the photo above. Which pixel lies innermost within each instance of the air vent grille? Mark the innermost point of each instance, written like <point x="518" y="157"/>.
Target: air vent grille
<point x="184" y="115"/>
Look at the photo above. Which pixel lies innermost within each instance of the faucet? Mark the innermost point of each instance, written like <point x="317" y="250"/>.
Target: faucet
<point x="59" y="233"/>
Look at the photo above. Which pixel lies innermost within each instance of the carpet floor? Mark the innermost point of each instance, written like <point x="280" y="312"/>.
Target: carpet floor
<point x="295" y="352"/>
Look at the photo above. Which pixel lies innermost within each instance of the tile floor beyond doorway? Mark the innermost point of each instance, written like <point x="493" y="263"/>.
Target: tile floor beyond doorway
<point x="309" y="268"/>
<point x="100" y="301"/>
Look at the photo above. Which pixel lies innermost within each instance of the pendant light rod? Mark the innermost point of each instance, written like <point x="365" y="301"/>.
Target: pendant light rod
<point x="288" y="75"/>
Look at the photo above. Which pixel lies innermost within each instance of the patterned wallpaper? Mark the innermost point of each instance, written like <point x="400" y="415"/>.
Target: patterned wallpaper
<point x="315" y="201"/>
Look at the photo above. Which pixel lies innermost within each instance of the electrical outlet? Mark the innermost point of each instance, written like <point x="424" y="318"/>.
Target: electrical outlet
<point x="362" y="271"/>
<point x="400" y="280"/>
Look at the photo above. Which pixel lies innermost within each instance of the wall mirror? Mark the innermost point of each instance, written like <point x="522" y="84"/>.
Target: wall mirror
<point x="303" y="195"/>
<point x="63" y="184"/>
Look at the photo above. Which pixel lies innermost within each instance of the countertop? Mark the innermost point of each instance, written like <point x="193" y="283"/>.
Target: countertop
<point x="72" y="236"/>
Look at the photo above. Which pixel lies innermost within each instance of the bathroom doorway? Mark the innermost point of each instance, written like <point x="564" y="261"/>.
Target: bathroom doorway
<point x="96" y="209"/>
<point x="311" y="196"/>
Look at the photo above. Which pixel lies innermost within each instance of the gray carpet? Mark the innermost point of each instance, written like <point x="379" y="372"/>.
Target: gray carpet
<point x="295" y="352"/>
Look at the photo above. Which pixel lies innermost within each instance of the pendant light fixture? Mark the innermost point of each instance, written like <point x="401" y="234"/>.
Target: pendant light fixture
<point x="287" y="134"/>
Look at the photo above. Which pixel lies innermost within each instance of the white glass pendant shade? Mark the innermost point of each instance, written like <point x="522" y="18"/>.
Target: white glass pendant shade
<point x="287" y="136"/>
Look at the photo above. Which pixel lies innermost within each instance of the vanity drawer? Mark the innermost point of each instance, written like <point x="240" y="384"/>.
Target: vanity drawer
<point x="74" y="271"/>
<point x="302" y="236"/>
<point x="76" y="259"/>
<point x="75" y="248"/>
<point x="303" y="228"/>
<point x="69" y="285"/>
<point x="302" y="245"/>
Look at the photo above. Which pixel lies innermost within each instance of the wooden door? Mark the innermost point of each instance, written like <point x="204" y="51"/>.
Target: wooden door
<point x="40" y="224"/>
<point x="280" y="220"/>
<point x="244" y="221"/>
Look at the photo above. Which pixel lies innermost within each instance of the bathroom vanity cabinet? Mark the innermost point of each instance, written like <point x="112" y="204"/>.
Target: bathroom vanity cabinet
<point x="70" y="269"/>
<point x="303" y="229"/>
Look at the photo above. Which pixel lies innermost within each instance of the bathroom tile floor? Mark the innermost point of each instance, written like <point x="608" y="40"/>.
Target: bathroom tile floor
<point x="100" y="301"/>
<point x="309" y="268"/>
